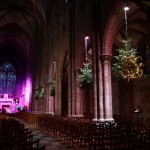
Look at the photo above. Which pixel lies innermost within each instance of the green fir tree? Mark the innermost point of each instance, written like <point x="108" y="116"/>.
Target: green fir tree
<point x="128" y="65"/>
<point x="52" y="88"/>
<point x="85" y="78"/>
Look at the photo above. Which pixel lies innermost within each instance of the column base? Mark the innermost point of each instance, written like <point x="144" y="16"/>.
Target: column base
<point x="95" y="119"/>
<point x="98" y="120"/>
<point x="51" y="113"/>
<point x="109" y="119"/>
<point x="36" y="112"/>
<point x="101" y="120"/>
<point x="76" y="116"/>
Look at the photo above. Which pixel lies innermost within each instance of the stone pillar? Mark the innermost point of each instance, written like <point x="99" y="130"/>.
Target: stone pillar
<point x="107" y="87"/>
<point x="71" y="89"/>
<point x="36" y="105"/>
<point x="41" y="88"/>
<point x="95" y="93"/>
<point x="78" y="99"/>
<point x="101" y="96"/>
<point x="51" y="105"/>
<point x="50" y="100"/>
<point x="71" y="63"/>
<point x="41" y="104"/>
<point x="97" y="78"/>
<point x="58" y="95"/>
<point x="69" y="94"/>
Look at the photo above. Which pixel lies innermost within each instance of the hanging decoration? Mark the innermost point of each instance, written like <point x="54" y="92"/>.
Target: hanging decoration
<point x="52" y="88"/>
<point x="128" y="65"/>
<point x="41" y="94"/>
<point x="36" y="95"/>
<point x="85" y="78"/>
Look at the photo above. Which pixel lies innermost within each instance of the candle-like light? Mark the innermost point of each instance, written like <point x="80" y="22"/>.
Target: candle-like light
<point x="86" y="38"/>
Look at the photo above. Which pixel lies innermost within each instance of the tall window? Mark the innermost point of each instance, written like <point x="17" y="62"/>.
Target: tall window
<point x="7" y="79"/>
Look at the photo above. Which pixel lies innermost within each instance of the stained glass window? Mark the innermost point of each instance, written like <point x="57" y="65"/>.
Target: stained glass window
<point x="7" y="79"/>
<point x="2" y="81"/>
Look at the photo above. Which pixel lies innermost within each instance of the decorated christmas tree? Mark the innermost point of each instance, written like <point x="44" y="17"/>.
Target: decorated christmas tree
<point x="85" y="78"/>
<point x="128" y="65"/>
<point x="52" y="88"/>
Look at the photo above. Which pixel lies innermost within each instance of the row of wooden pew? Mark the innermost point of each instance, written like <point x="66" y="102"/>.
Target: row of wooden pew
<point x="87" y="134"/>
<point x="14" y="136"/>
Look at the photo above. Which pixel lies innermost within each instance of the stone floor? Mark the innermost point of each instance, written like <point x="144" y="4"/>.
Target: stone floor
<point x="51" y="142"/>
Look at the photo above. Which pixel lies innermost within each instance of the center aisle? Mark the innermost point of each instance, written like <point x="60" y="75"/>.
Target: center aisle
<point x="50" y="142"/>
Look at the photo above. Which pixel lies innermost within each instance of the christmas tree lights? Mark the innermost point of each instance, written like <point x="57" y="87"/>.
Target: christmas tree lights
<point x="128" y="65"/>
<point x="85" y="78"/>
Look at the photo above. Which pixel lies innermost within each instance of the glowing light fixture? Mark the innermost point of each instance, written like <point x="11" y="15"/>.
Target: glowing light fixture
<point x="86" y="39"/>
<point x="126" y="7"/>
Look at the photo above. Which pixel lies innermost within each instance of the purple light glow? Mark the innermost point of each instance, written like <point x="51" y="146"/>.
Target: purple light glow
<point x="28" y="90"/>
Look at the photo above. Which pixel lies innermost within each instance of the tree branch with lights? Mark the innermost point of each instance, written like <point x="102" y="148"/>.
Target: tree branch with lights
<point x="42" y="92"/>
<point x="128" y="65"/>
<point x="52" y="88"/>
<point x="85" y="78"/>
<point x="36" y="95"/>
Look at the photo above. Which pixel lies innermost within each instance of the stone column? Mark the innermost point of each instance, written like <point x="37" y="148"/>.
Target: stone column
<point x="58" y="95"/>
<point x="107" y="87"/>
<point x="69" y="93"/>
<point x="100" y="92"/>
<point x="78" y="99"/>
<point x="95" y="93"/>
<point x="42" y="98"/>
<point x="36" y="105"/>
<point x="71" y="64"/>
<point x="50" y="100"/>
<point x="97" y="78"/>
<point x="51" y="105"/>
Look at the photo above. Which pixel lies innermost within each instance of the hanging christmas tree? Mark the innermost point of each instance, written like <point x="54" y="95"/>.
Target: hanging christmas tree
<point x="36" y="95"/>
<point x="85" y="78"/>
<point x="52" y="88"/>
<point x="41" y="92"/>
<point x="128" y="65"/>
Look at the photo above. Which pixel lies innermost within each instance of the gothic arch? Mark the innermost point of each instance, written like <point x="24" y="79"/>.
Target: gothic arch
<point x="113" y="24"/>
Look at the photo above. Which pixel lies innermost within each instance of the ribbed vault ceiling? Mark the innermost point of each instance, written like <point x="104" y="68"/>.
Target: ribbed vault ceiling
<point x="19" y="23"/>
<point x="138" y="26"/>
